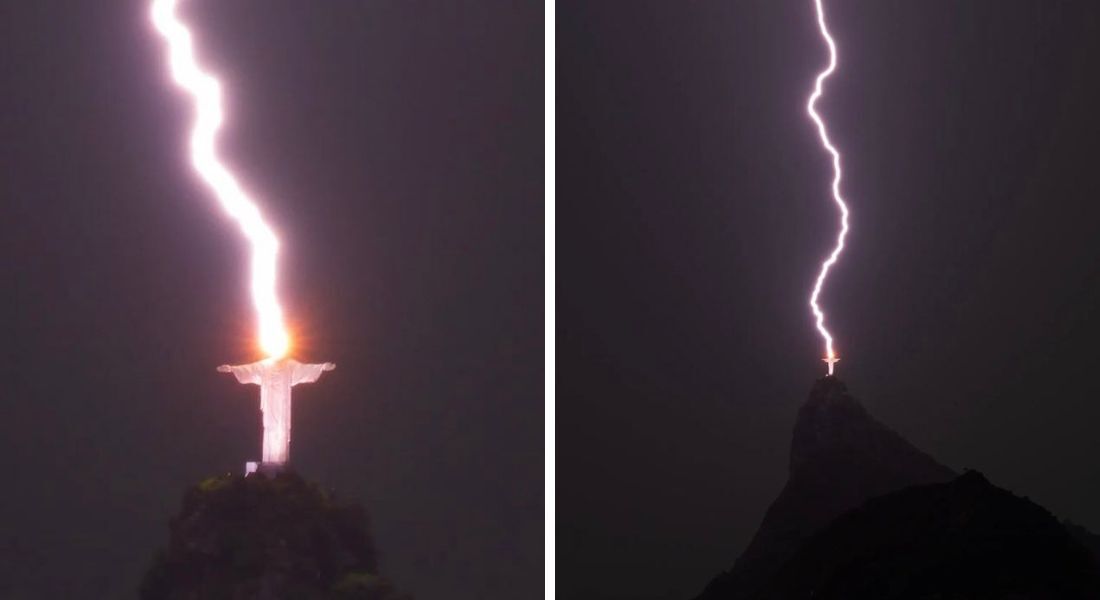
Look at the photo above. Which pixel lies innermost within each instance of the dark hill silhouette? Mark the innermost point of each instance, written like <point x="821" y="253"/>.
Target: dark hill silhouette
<point x="965" y="539"/>
<point x="866" y="515"/>
<point x="266" y="538"/>
<point x="840" y="457"/>
<point x="1087" y="538"/>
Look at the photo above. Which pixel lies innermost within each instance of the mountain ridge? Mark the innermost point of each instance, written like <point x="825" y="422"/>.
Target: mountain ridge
<point x="964" y="539"/>
<point x="840" y="457"/>
<point x="865" y="514"/>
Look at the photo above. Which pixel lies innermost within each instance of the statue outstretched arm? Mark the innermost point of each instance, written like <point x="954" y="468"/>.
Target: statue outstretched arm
<point x="245" y="373"/>
<point x="308" y="373"/>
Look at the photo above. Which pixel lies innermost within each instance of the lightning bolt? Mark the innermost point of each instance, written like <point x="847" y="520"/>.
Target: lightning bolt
<point x="205" y="91"/>
<point x="819" y="316"/>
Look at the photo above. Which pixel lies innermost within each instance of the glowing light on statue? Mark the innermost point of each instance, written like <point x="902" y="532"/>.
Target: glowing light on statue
<point x="830" y="353"/>
<point x="205" y="90"/>
<point x="276" y="373"/>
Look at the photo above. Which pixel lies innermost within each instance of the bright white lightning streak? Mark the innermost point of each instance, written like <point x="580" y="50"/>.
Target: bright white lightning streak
<point x="205" y="90"/>
<point x="830" y="353"/>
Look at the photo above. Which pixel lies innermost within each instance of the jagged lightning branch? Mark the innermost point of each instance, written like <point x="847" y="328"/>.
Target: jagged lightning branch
<point x="205" y="90"/>
<point x="830" y="353"/>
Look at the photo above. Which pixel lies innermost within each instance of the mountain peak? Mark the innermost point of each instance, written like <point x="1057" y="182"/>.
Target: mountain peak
<point x="830" y="420"/>
<point x="829" y="388"/>
<point x="836" y="441"/>
<point x="840" y="457"/>
<point x="261" y="537"/>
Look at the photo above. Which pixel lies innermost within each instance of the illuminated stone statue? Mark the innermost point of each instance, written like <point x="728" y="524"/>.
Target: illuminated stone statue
<point x="275" y="378"/>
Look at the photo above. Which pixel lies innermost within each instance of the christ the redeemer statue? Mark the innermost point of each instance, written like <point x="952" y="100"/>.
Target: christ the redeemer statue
<point x="275" y="378"/>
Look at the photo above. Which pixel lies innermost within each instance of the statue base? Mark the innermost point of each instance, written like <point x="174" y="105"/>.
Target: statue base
<point x="269" y="469"/>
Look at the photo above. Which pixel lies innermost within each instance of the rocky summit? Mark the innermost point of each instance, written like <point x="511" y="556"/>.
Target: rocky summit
<point x="268" y="538"/>
<point x="866" y="515"/>
<point x="840" y="457"/>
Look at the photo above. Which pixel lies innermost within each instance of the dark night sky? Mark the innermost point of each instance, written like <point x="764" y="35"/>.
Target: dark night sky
<point x="692" y="211"/>
<point x="398" y="148"/>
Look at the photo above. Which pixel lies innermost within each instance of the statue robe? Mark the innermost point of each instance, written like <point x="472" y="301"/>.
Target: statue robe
<point x="275" y="378"/>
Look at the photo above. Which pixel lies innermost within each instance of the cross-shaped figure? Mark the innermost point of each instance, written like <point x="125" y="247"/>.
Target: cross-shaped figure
<point x="275" y="378"/>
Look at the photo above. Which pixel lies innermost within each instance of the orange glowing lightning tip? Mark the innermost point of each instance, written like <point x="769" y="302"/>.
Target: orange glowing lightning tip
<point x="819" y="316"/>
<point x="205" y="91"/>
